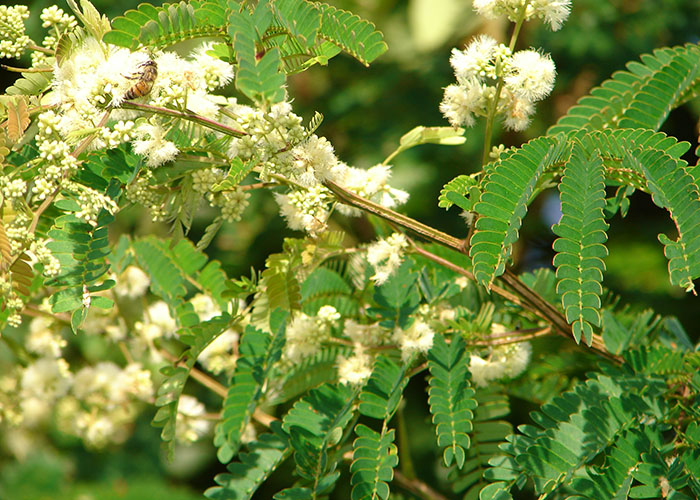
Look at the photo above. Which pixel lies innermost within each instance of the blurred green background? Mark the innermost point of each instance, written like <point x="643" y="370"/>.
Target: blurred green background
<point x="366" y="111"/>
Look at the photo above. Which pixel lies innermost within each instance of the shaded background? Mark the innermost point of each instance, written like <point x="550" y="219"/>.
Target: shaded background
<point x="366" y="111"/>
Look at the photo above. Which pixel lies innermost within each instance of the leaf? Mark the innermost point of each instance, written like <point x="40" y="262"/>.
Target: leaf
<point x="455" y="193"/>
<point x="374" y="457"/>
<point x="264" y="455"/>
<point x="30" y="84"/>
<point x="197" y="338"/>
<point x="235" y="175"/>
<point x="315" y="425"/>
<point x="664" y="73"/>
<point x="258" y="353"/>
<point x="450" y="397"/>
<point x="351" y="33"/>
<point x="673" y="189"/>
<point x="17" y="118"/>
<point x="326" y="287"/>
<point x="580" y="247"/>
<point x="503" y="205"/>
<point x="397" y="298"/>
<point x="447" y="136"/>
<point x="382" y="393"/>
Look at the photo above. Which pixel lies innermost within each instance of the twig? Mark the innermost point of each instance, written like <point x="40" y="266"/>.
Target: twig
<point x="13" y="69"/>
<point x="417" y="487"/>
<point x="185" y="115"/>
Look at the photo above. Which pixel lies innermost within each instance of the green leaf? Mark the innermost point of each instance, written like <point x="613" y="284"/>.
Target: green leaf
<point x="373" y="461"/>
<point x="503" y="204"/>
<point x="235" y="175"/>
<point x="450" y="397"/>
<point x="258" y="353"/>
<point x="642" y="95"/>
<point x="315" y="425"/>
<point x="398" y="297"/>
<point x="455" y="193"/>
<point x="580" y="247"/>
<point x="382" y="393"/>
<point x="264" y="455"/>
<point x="351" y="33"/>
<point x="673" y="189"/>
<point x="197" y="338"/>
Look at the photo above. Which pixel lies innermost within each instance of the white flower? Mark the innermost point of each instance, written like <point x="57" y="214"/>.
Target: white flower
<point x="504" y="361"/>
<point x="219" y="355"/>
<point x="305" y="209"/>
<point x="371" y="184"/>
<point x="305" y="335"/>
<point x="461" y="102"/>
<point x="190" y="425"/>
<point x="554" y="12"/>
<point x="159" y="315"/>
<point x="43" y="339"/>
<point x="367" y="335"/>
<point x="475" y="61"/>
<point x="43" y="382"/>
<point x="152" y="144"/>
<point x="531" y="75"/>
<point x="132" y="282"/>
<point x="204" y="306"/>
<point x="417" y="338"/>
<point x="518" y="112"/>
<point x="356" y="369"/>
<point x="313" y="160"/>
<point x="386" y="256"/>
<point x="213" y="71"/>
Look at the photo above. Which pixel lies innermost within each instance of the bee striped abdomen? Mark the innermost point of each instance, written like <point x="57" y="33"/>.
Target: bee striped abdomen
<point x="146" y="77"/>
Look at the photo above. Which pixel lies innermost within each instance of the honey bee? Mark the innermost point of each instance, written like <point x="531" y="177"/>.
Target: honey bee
<point x="146" y="76"/>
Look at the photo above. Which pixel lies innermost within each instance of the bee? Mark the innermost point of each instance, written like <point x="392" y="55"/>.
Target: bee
<point x="146" y="76"/>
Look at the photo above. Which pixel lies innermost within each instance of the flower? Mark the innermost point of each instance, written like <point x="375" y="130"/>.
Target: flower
<point x="356" y="369"/>
<point x="190" y="425"/>
<point x="416" y="338"/>
<point x="531" y="75"/>
<point x="132" y="282"/>
<point x="386" y="256"/>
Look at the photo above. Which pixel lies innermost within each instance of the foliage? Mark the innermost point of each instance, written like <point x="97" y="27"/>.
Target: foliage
<point x="314" y="356"/>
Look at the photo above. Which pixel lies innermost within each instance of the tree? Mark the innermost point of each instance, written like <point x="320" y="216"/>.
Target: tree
<point x="312" y="356"/>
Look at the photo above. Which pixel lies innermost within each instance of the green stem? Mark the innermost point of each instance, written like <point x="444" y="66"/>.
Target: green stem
<point x="499" y="87"/>
<point x="404" y="446"/>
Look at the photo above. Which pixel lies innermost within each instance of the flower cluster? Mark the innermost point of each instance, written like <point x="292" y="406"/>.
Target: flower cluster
<point x="554" y="12"/>
<point x="306" y="334"/>
<point x="386" y="256"/>
<point x="508" y="360"/>
<point x="13" y="39"/>
<point x="486" y="71"/>
<point x="306" y="209"/>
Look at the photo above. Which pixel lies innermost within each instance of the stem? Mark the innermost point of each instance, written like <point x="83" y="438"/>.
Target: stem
<point x="419" y="228"/>
<point x="499" y="87"/>
<point x="44" y="69"/>
<point x="417" y="487"/>
<point x="185" y="115"/>
<point x="38" y="48"/>
<point x="404" y="447"/>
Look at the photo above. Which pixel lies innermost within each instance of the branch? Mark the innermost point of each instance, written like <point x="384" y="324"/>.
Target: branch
<point x="185" y="115"/>
<point x="524" y="296"/>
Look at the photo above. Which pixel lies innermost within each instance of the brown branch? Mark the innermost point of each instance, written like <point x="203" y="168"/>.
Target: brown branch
<point x="417" y="487"/>
<point x="524" y="295"/>
<point x="185" y="115"/>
